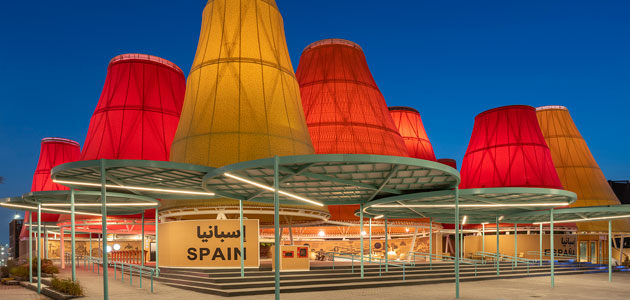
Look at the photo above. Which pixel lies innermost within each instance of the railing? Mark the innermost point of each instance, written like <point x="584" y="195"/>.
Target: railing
<point x="513" y="259"/>
<point x="441" y="257"/>
<point x="548" y="254"/>
<point x="352" y="256"/>
<point x="132" y="269"/>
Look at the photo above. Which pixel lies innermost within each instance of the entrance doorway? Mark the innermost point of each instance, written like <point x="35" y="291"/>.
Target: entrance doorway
<point x="583" y="251"/>
<point x="593" y="252"/>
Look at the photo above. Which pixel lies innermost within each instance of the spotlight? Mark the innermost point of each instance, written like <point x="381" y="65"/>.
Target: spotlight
<point x="321" y="233"/>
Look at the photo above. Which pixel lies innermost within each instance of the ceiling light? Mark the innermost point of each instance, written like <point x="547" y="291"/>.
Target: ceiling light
<point x="138" y="188"/>
<point x="262" y="186"/>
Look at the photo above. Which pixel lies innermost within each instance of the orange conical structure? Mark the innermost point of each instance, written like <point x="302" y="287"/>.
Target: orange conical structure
<point x="344" y="109"/>
<point x="507" y="149"/>
<point x="54" y="152"/>
<point x="576" y="166"/>
<point x="411" y="129"/>
<point x="242" y="99"/>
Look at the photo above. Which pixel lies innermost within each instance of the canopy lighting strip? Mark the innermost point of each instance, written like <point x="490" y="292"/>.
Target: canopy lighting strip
<point x="137" y="188"/>
<point x="262" y="186"/>
<point x="469" y="205"/>
<point x="98" y="204"/>
<point x="48" y="209"/>
<point x="586" y="219"/>
<point x="379" y="217"/>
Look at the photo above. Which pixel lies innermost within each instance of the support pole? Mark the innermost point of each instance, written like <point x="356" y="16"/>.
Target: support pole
<point x="62" y="247"/>
<point x="90" y="252"/>
<point x="540" y="249"/>
<point x="386" y="249"/>
<point x="39" y="248"/>
<point x="609" y="251"/>
<point x="483" y="237"/>
<point x="497" y="259"/>
<point x="104" y="229"/>
<point x="551" y="247"/>
<point x="142" y="247"/>
<point x="242" y="233"/>
<point x="430" y="244"/>
<point x="72" y="236"/>
<point x="457" y="242"/>
<point x="621" y="250"/>
<point x="515" y="245"/>
<point x="276" y="225"/>
<point x="157" y="244"/>
<point x="370" y="241"/>
<point x="30" y="247"/>
<point x="45" y="242"/>
<point x="361" y="236"/>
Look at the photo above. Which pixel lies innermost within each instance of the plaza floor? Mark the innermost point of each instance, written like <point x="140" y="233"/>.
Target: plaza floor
<point x="574" y="287"/>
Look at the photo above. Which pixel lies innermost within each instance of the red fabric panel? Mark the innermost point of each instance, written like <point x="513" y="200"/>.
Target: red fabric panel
<point x="344" y="109"/>
<point x="449" y="162"/>
<point x="507" y="149"/>
<point x="138" y="112"/>
<point x="53" y="152"/>
<point x="412" y="130"/>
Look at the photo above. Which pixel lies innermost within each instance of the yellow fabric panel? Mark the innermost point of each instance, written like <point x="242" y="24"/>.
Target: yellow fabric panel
<point x="576" y="166"/>
<point x="242" y="99"/>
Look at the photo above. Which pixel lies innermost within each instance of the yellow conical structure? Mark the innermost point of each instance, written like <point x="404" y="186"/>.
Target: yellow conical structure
<point x="242" y="98"/>
<point x="576" y="166"/>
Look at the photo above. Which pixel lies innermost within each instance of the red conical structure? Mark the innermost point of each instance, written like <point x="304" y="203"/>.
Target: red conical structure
<point x="138" y="112"/>
<point x="449" y="162"/>
<point x="54" y="151"/>
<point x="507" y="149"/>
<point x="344" y="109"/>
<point x="411" y="129"/>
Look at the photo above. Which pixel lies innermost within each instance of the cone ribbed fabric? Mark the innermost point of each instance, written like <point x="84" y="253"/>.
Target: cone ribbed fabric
<point x="410" y="127"/>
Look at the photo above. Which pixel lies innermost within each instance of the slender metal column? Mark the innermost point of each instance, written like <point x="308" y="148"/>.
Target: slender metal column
<point x="386" y="249"/>
<point x="361" y="236"/>
<point x="104" y="229"/>
<point x="370" y="241"/>
<point x="39" y="248"/>
<point x="90" y="252"/>
<point x="45" y="242"/>
<point x="276" y="225"/>
<point x="515" y="245"/>
<point x="483" y="237"/>
<point x="497" y="259"/>
<point x="621" y="250"/>
<point x="609" y="251"/>
<point x="30" y="247"/>
<point x="142" y="247"/>
<point x="157" y="244"/>
<point x="62" y="238"/>
<point x="72" y="236"/>
<point x="552" y="247"/>
<point x="242" y="233"/>
<point x="540" y="249"/>
<point x="457" y="242"/>
<point x="430" y="244"/>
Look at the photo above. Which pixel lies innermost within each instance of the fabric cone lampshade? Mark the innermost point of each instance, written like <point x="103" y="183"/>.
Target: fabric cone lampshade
<point x="344" y="109"/>
<point x="576" y="166"/>
<point x="242" y="99"/>
<point x="507" y="149"/>
<point x="411" y="129"/>
<point x="54" y="151"/>
<point x="449" y="162"/>
<point x="138" y="112"/>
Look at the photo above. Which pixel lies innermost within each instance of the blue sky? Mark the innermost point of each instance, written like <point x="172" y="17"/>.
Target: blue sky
<point x="449" y="59"/>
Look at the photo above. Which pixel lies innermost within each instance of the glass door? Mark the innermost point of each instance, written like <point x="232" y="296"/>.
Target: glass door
<point x="593" y="252"/>
<point x="583" y="251"/>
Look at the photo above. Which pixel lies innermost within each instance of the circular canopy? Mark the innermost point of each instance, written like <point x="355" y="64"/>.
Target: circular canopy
<point x="478" y="205"/>
<point x="86" y="202"/>
<point x="330" y="179"/>
<point x="573" y="215"/>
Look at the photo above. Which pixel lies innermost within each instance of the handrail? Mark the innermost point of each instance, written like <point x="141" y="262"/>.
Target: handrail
<point x="549" y="254"/>
<point x="139" y="270"/>
<point x="515" y="260"/>
<point x="380" y="262"/>
<point x="442" y="257"/>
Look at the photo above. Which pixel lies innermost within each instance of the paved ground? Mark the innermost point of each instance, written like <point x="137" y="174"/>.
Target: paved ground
<point x="10" y="292"/>
<point x="573" y="287"/>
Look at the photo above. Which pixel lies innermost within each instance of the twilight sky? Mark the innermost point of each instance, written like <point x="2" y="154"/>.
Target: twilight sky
<point x="449" y="59"/>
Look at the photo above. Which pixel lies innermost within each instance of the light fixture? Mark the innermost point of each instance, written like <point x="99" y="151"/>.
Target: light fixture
<point x="485" y="223"/>
<point x="116" y="247"/>
<point x="471" y="205"/>
<point x="378" y="217"/>
<point x="321" y="233"/>
<point x="98" y="204"/>
<point x="137" y="188"/>
<point x="464" y="220"/>
<point x="109" y="248"/>
<point x="501" y="218"/>
<point x="406" y="229"/>
<point x="16" y="216"/>
<point x="586" y="219"/>
<point x="262" y="186"/>
<point x="48" y="209"/>
<point x="363" y="233"/>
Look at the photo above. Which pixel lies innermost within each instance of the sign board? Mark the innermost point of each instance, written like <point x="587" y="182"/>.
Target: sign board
<point x="292" y="258"/>
<point x="208" y="244"/>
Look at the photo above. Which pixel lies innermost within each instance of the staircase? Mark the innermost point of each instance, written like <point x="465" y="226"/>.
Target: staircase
<point x="227" y="282"/>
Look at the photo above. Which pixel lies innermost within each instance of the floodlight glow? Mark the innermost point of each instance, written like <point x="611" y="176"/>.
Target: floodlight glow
<point x="109" y="248"/>
<point x="262" y="186"/>
<point x="586" y="219"/>
<point x="116" y="247"/>
<point x="363" y="233"/>
<point x="137" y="188"/>
<point x="321" y="233"/>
